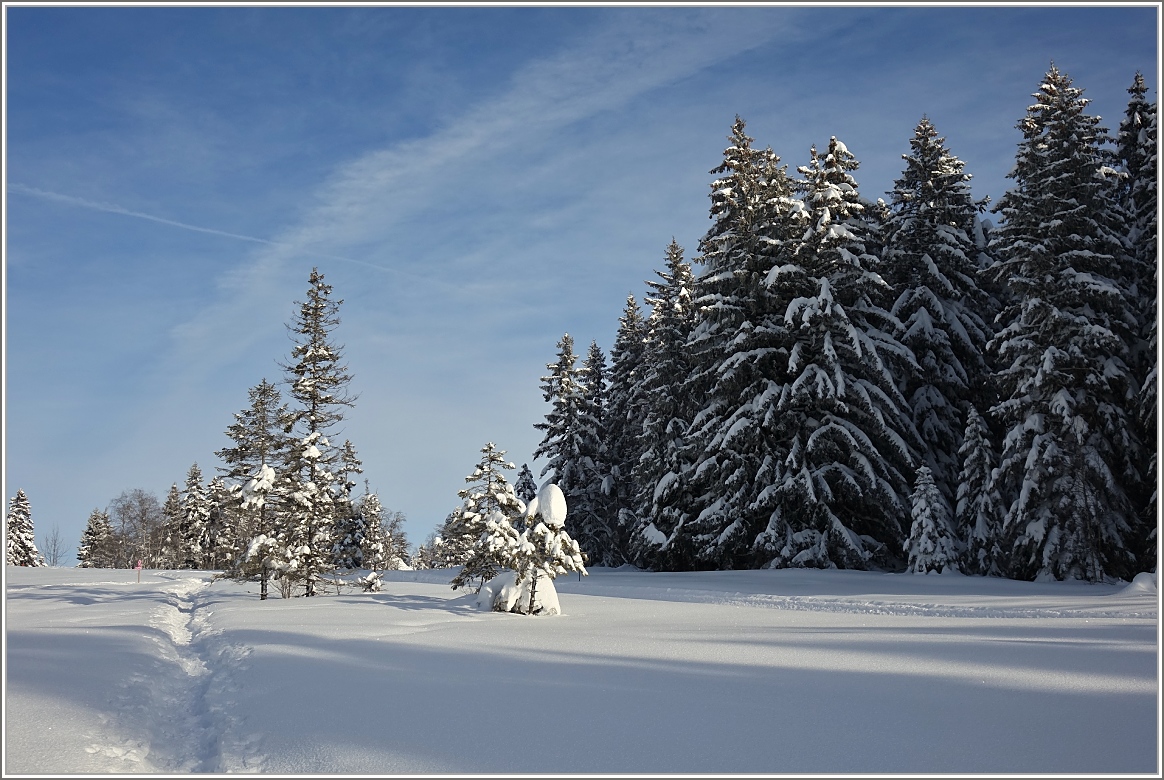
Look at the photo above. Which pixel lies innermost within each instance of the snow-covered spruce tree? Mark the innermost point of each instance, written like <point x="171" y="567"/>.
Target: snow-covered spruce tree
<point x="350" y="525"/>
<point x="624" y="421"/>
<point x="561" y="443"/>
<point x="486" y="515"/>
<point x="931" y="259"/>
<point x="1148" y="534"/>
<point x="978" y="513"/>
<point x="429" y="552"/>
<point x="526" y="488"/>
<point x="1137" y="151"/>
<point x="351" y="532"/>
<point x="195" y="519"/>
<point x="373" y="550"/>
<point x="223" y="543"/>
<point x="593" y="516"/>
<point x="259" y="444"/>
<point x="932" y="545"/>
<point x="315" y="469"/>
<point x="171" y="556"/>
<point x="21" y="539"/>
<point x="96" y="548"/>
<point x="544" y="550"/>
<point x="659" y="538"/>
<point x="739" y="352"/>
<point x="838" y="491"/>
<point x="1070" y="449"/>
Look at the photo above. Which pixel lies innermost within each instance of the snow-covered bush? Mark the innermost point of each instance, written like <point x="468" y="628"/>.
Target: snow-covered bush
<point x="542" y="552"/>
<point x="371" y="582"/>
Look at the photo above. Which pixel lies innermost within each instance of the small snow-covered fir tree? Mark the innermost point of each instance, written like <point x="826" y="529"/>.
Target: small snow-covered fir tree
<point x="978" y="513"/>
<point x="373" y="550"/>
<point x="21" y="547"/>
<point x="259" y="447"/>
<point x="195" y="519"/>
<point x="1070" y="450"/>
<point x="932" y="545"/>
<point x="543" y="552"/>
<point x="526" y="488"/>
<point x="96" y="549"/>
<point x="350" y="535"/>
<point x="488" y="509"/>
<point x="221" y="543"/>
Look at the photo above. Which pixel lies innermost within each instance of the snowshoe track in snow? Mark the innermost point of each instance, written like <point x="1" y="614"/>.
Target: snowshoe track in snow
<point x="176" y="717"/>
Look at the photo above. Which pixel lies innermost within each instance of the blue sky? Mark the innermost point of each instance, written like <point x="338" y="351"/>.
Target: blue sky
<point x="474" y="182"/>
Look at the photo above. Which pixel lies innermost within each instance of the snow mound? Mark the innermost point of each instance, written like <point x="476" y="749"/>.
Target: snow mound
<point x="551" y="505"/>
<point x="504" y="593"/>
<point x="1142" y="583"/>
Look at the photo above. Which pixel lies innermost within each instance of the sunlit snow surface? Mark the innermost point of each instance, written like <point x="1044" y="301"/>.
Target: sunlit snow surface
<point x="715" y="672"/>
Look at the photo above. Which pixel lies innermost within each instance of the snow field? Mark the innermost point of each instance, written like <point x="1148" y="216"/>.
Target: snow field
<point x="783" y="672"/>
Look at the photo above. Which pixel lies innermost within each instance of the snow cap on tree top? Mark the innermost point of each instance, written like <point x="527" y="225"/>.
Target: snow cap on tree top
<point x="550" y="504"/>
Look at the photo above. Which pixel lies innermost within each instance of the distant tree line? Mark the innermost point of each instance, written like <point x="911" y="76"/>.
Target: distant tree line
<point x="886" y="385"/>
<point x="283" y="506"/>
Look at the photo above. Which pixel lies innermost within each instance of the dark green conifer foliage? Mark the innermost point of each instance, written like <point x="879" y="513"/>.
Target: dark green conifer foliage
<point x="930" y="259"/>
<point x="840" y="490"/>
<point x="1070" y="448"/>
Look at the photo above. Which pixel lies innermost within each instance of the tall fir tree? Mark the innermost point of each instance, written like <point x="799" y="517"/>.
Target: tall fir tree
<point x="624" y="420"/>
<point x="19" y="533"/>
<point x="1070" y="449"/>
<point x="316" y="470"/>
<point x="1137" y="151"/>
<point x="96" y="549"/>
<point x="840" y="489"/>
<point x="659" y="539"/>
<point x="738" y="354"/>
<point x="978" y="513"/>
<point x="593" y="520"/>
<point x="931" y="260"/>
<point x="561" y="443"/>
<point x="1136" y="148"/>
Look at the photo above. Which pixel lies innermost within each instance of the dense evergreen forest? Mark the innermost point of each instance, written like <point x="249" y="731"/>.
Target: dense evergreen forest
<point x="834" y="381"/>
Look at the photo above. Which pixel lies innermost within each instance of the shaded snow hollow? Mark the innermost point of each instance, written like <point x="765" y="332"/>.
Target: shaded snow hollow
<point x="704" y="672"/>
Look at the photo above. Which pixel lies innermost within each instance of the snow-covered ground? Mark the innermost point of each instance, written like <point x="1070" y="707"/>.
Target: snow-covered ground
<point x="716" y="672"/>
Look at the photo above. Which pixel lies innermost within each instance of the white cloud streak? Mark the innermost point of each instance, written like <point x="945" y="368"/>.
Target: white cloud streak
<point x="112" y="208"/>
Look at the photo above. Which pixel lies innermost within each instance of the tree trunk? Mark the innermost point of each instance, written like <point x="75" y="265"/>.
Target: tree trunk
<point x="263" y="585"/>
<point x="533" y="589"/>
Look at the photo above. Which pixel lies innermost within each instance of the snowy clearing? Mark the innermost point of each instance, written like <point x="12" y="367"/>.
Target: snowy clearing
<point x="791" y="671"/>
